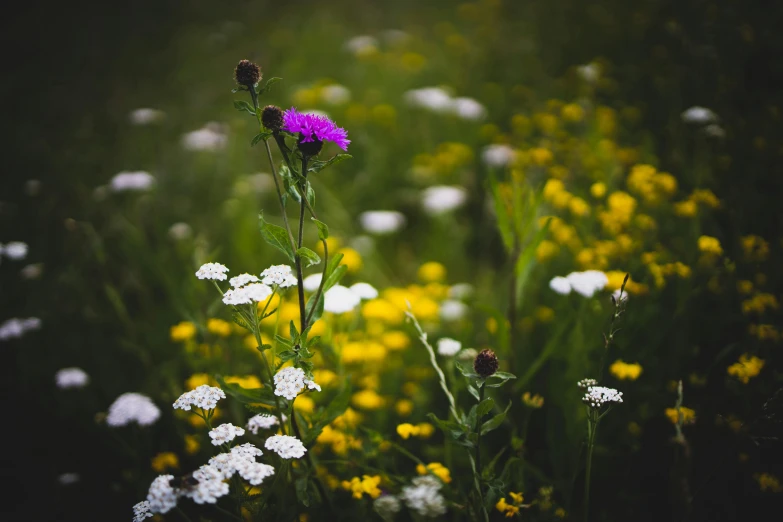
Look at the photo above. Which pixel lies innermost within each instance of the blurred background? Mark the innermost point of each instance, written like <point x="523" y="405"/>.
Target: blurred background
<point x="555" y="102"/>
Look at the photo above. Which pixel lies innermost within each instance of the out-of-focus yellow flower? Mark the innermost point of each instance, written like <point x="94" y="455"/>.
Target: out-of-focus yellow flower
<point x="625" y="371"/>
<point x="349" y="419"/>
<point x="560" y="513"/>
<point x="572" y="112"/>
<point x="183" y="331"/>
<point x="164" y="461"/>
<point x="404" y="408"/>
<point x="532" y="401"/>
<point x="305" y="96"/>
<point x="425" y="430"/>
<point x="197" y="379"/>
<point x="521" y="125"/>
<point x="407" y="430"/>
<point x="411" y="389"/>
<point x="616" y="277"/>
<point x="382" y="310"/>
<point x="687" y="414"/>
<point x="432" y="271"/>
<point x="355" y="113"/>
<point x="547" y="123"/>
<point x="598" y="190"/>
<point x="621" y="207"/>
<point x="764" y="332"/>
<point x="606" y="120"/>
<point x="744" y="286"/>
<point x="304" y="404"/>
<point x="425" y="309"/>
<point x="546" y="250"/>
<point x="363" y="351"/>
<point x="687" y="208"/>
<point x="540" y="156"/>
<point x="746" y="368"/>
<point x="395" y="340"/>
<point x="437" y="469"/>
<point x="219" y="327"/>
<point x="366" y="485"/>
<point x="755" y="248"/>
<point x="324" y="377"/>
<point x="384" y="114"/>
<point x="413" y="62"/>
<point x="578" y="207"/>
<point x="245" y="381"/>
<point x="351" y="259"/>
<point x="768" y="482"/>
<point x="510" y="510"/>
<point x="705" y="197"/>
<point x="544" y="314"/>
<point x="367" y="400"/>
<point x="710" y="245"/>
<point x="192" y="444"/>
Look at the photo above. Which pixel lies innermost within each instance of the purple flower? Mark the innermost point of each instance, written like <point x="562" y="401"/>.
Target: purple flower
<point x="313" y="127"/>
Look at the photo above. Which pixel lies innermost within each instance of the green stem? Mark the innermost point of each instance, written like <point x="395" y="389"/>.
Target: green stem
<point x="279" y="193"/>
<point x="257" y="333"/>
<point x="183" y="515"/>
<point x="299" y="274"/>
<point x="477" y="465"/>
<point x="592" y="426"/>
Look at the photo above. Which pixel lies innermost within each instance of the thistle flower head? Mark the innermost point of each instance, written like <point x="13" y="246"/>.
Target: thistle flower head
<point x="272" y="118"/>
<point x="247" y="73"/>
<point x="486" y="363"/>
<point x="314" y="129"/>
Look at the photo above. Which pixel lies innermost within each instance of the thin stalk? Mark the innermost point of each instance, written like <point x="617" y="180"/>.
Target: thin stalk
<point x="183" y="515"/>
<point x="477" y="466"/>
<point x="299" y="274"/>
<point x="279" y="193"/>
<point x="257" y="333"/>
<point x="592" y="426"/>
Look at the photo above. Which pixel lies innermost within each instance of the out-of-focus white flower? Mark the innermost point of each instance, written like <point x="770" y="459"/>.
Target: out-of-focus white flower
<point x="162" y="497"/>
<point x="261" y="421"/>
<point x="339" y="300"/>
<point x="286" y="446"/>
<point x="214" y="271"/>
<point x="66" y="479"/>
<point x="141" y="511"/>
<point x="699" y="115"/>
<point x="468" y="354"/>
<point x="280" y="275"/>
<point x="441" y="199"/>
<point x="587" y="283"/>
<point x="589" y="72"/>
<point x="225" y="433"/>
<point x="15" y="328"/>
<point x="597" y="396"/>
<point x="335" y="94"/>
<point x="137" y="180"/>
<point x="468" y="109"/>
<point x="32" y="271"/>
<point x="431" y="98"/>
<point x="71" y="378"/>
<point x="424" y="498"/>
<point x="714" y="131"/>
<point x="561" y="285"/>
<point x="448" y="347"/>
<point x="236" y="297"/>
<point x="180" y="231"/>
<point x="211" y="138"/>
<point x="453" y="310"/>
<point x="364" y="290"/>
<point x="204" y="397"/>
<point x="242" y="280"/>
<point x="312" y="282"/>
<point x="461" y="291"/>
<point x="362" y="45"/>
<point x="261" y="182"/>
<point x="145" y="116"/>
<point x="616" y="295"/>
<point x="15" y="250"/>
<point x="586" y="383"/>
<point x="386" y="506"/>
<point x="394" y="36"/>
<point x="210" y="485"/>
<point x="132" y="407"/>
<point x="382" y="221"/>
<point x="498" y="155"/>
<point x="290" y="381"/>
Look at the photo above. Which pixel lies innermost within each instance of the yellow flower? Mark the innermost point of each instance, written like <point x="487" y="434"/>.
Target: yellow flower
<point x="432" y="272"/>
<point x="304" y="404"/>
<point x="744" y="286"/>
<point x="688" y="415"/>
<point x="623" y="371"/>
<point x="755" y="248"/>
<point x="544" y="314"/>
<point x="764" y="332"/>
<point x="384" y="114"/>
<point x="425" y="309"/>
<point x="192" y="444"/>
<point x="163" y="461"/>
<point x="598" y="190"/>
<point x="747" y="368"/>
<point x="382" y="310"/>
<point x="437" y="469"/>
<point x="572" y="112"/>
<point x="540" y="156"/>
<point x="710" y="245"/>
<point x="367" y="400"/>
<point x="425" y="430"/>
<point x="687" y="208"/>
<point x="245" y="381"/>
<point x="706" y="197"/>
<point x="351" y="259"/>
<point x="366" y="485"/>
<point x="395" y="340"/>
<point x="532" y="401"/>
<point x="197" y="379"/>
<point x="759" y="303"/>
<point x="546" y="250"/>
<point x="324" y="377"/>
<point x="404" y="408"/>
<point x="768" y="482"/>
<point x="366" y="351"/>
<point x="350" y="419"/>
<point x="560" y="513"/>
<point x="219" y="327"/>
<point x="578" y="207"/>
<point x="183" y="331"/>
<point x="407" y="430"/>
<point x="510" y="510"/>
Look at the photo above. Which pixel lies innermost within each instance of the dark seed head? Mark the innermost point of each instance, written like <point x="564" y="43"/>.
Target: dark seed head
<point x="486" y="363"/>
<point x="247" y="73"/>
<point x="310" y="148"/>
<point x="272" y="118"/>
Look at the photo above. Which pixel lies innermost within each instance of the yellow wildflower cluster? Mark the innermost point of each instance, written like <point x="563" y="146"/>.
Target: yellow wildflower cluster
<point x="437" y="469"/>
<point x="184" y="331"/>
<point x="687" y="414"/>
<point x="625" y="371"/>
<point x="510" y="510"/>
<point x="748" y="367"/>
<point x="532" y="401"/>
<point x="366" y="485"/>
<point x="245" y="381"/>
<point x="219" y="327"/>
<point x="652" y="186"/>
<point x="164" y="461"/>
<point x="619" y="212"/>
<point x="710" y="246"/>
<point x="423" y="430"/>
<point x="768" y="482"/>
<point x="755" y="248"/>
<point x="764" y="332"/>
<point x="759" y="303"/>
<point x="449" y="158"/>
<point x="339" y="442"/>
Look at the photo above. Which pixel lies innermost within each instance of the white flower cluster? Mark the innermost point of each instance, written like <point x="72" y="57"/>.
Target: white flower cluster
<point x="280" y="275"/>
<point x="18" y="327"/>
<point x="161" y="497"/>
<point x="438" y="100"/>
<point x="699" y="115"/>
<point x="242" y="280"/>
<point x="286" y="446"/>
<point x="386" y="506"/>
<point x="364" y="290"/>
<point x="210" y="485"/>
<point x="453" y="310"/>
<point x="382" y="222"/>
<point x="261" y="421"/>
<point x="225" y="433"/>
<point x="442" y="199"/>
<point x="586" y="383"/>
<point x="290" y="381"/>
<point x="597" y="396"/>
<point x="15" y="250"/>
<point x="335" y="94"/>
<point x="585" y="283"/>
<point x="340" y="300"/>
<point x="448" y="347"/>
<point x="254" y="472"/>
<point x="312" y="282"/>
<point x="214" y="271"/>
<point x="145" y="116"/>
<point x="138" y="180"/>
<point x="363" y="44"/>
<point x="71" y="378"/>
<point x="468" y="354"/>
<point x="424" y="497"/>
<point x="498" y="155"/>
<point x="141" y="511"/>
<point x="132" y="407"/>
<point x="210" y="138"/>
<point x="247" y="294"/>
<point x="204" y="397"/>
<point x="66" y="479"/>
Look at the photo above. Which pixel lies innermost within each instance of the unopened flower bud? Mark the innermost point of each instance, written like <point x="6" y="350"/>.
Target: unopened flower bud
<point x="247" y="73"/>
<point x="486" y="363"/>
<point x="272" y="118"/>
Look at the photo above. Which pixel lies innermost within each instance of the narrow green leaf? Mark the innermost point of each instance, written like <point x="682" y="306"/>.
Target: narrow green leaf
<point x="336" y="407"/>
<point x="473" y="391"/>
<point x="238" y="319"/>
<point x="260" y="136"/>
<point x="323" y="230"/>
<point x="277" y="237"/>
<point x="308" y="257"/>
<point x="319" y="307"/>
<point x="485" y="407"/>
<point x="495" y="421"/>
<point x="269" y="83"/>
<point x="243" y="106"/>
<point x="293" y="332"/>
<point x="301" y="491"/>
<point x="318" y="166"/>
<point x="264" y="347"/>
<point x="466" y="372"/>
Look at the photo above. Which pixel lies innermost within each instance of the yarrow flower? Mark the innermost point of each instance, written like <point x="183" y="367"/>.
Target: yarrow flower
<point x="214" y="271"/>
<point x="382" y="222"/>
<point x="286" y="446"/>
<point x="138" y="180"/>
<point x="71" y="378"/>
<point x="448" y="347"/>
<point x="225" y="433"/>
<point x="242" y="280"/>
<point x="162" y="497"/>
<point x="141" y="511"/>
<point x="280" y="275"/>
<point x="290" y="381"/>
<point x="247" y="294"/>
<point x="424" y="497"/>
<point x="15" y="250"/>
<point x="261" y="421"/>
<point x="364" y="290"/>
<point x="597" y="396"/>
<point x="339" y="300"/>
<point x="386" y="506"/>
<point x="204" y="397"/>
<point x="314" y="128"/>
<point x="132" y="407"/>
<point x="210" y="485"/>
<point x="18" y="327"/>
<point x="586" y="383"/>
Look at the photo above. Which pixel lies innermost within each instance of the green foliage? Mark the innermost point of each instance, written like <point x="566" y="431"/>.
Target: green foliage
<point x="277" y="237"/>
